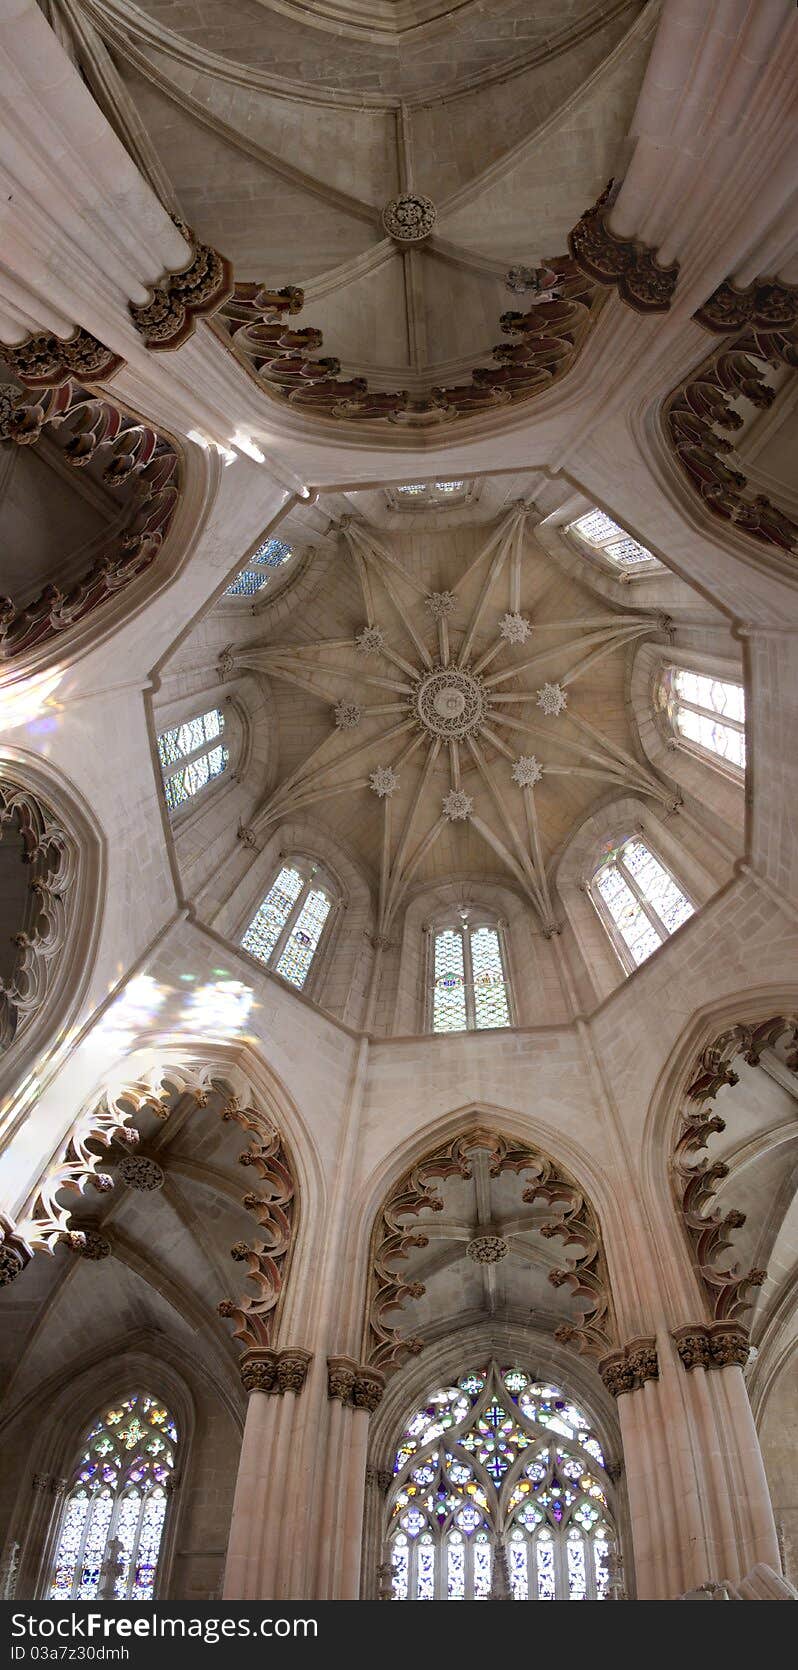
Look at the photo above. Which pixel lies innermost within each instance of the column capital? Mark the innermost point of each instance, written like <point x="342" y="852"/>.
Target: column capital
<point x="369" y="1389"/>
<point x="258" y="1370"/>
<point x="354" y="1384"/>
<point x="45" y="361"/>
<point x="263" y="1369"/>
<point x="341" y="1376"/>
<point x="380" y="1478"/>
<point x="712" y="1345"/>
<point x="627" y="1370"/>
<point x="292" y="1369"/>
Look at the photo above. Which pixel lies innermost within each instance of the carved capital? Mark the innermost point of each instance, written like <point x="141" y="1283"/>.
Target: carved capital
<point x="43" y="361"/>
<point x="179" y="298"/>
<point x="258" y="1371"/>
<point x="379" y="1478"/>
<point x="628" y="1369"/>
<point x="40" y="1483"/>
<point x="368" y="1389"/>
<point x="14" y="1252"/>
<point x="766" y="304"/>
<point x="692" y="1344"/>
<point x="712" y="1345"/>
<point x="625" y="262"/>
<point x="292" y="1369"/>
<point x="341" y="1374"/>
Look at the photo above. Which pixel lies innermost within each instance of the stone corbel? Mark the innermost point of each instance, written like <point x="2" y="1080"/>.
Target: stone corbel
<point x="766" y="304"/>
<point x="625" y="262"/>
<point x="712" y="1345"/>
<point x="356" y="1385"/>
<point x="628" y="1369"/>
<point x="44" y="361"/>
<point x="265" y="1370"/>
<point x="180" y="298"/>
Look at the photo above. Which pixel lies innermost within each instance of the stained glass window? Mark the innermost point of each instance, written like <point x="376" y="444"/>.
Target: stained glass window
<point x="286" y="929"/>
<point x="469" y="986"/>
<point x="707" y="712"/>
<point x="598" y="530"/>
<point x="112" y="1523"/>
<point x="271" y="554"/>
<point x="638" y="900"/>
<point x="428" y="491"/>
<point x="187" y="762"/>
<point x="499" y="1459"/>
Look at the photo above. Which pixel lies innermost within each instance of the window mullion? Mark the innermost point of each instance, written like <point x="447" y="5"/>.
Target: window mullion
<point x="290" y="922"/>
<point x="468" y="976"/>
<point x="710" y="713"/>
<point x="561" y="1589"/>
<point x="654" y="919"/>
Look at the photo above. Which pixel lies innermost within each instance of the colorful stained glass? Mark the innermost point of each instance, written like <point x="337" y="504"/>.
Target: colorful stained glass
<point x="517" y="1560"/>
<point x="455" y="1566"/>
<point x="544" y="1564"/>
<point x="425" y="1567"/>
<point x="577" y="1567"/>
<point x="400" y="1560"/>
<point x="121" y="1500"/>
<point x="303" y="939"/>
<point x="482" y="1554"/>
<point x="490" y="994"/>
<point x="266" y="926"/>
<point x="449" y="1001"/>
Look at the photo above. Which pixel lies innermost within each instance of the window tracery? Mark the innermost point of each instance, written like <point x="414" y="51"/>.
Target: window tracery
<point x="271" y="554"/>
<point x="706" y="713"/>
<point x="469" y="986"/>
<point x="500" y="1460"/>
<point x="638" y="900"/>
<point x="287" y="928"/>
<point x="191" y="756"/>
<point x="114" y="1512"/>
<point x="603" y="535"/>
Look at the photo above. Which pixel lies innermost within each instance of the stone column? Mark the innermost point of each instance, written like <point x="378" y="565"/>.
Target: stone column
<point x="373" y="1576"/>
<point x="354" y="1390"/>
<point x="38" y="1539"/>
<point x="262" y="1521"/>
<point x="698" y="1500"/>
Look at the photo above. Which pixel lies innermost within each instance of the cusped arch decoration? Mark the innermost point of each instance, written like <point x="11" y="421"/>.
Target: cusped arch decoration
<point x="109" y="1125"/>
<point x="572" y="1220"/>
<point x="696" y="1175"/>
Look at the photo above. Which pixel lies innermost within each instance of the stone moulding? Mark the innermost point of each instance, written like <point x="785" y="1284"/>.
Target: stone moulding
<point x="624" y="262"/>
<point x="712" y="1345"/>
<point x="696" y="1179"/>
<point x="572" y="1221"/>
<point x="699" y="416"/>
<point x="137" y="462"/>
<point x="52" y="857"/>
<point x="180" y="298"/>
<point x="108" y="1126"/>
<point x="45" y="361"/>
<point x="544" y="345"/>
<point x="628" y="1369"/>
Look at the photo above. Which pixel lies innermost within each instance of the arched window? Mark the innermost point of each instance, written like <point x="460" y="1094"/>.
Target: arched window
<point x="612" y="542"/>
<point x="191" y="755"/>
<point x="638" y="901"/>
<point x="113" y="1516"/>
<point x="500" y="1461"/>
<point x="707" y="713"/>
<point x="286" y="930"/>
<point x="468" y="982"/>
<point x="271" y="554"/>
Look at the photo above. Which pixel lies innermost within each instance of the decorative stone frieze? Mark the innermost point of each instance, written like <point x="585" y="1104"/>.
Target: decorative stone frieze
<point x="696" y="1178"/>
<point x="572" y="1221"/>
<point x="50" y="857"/>
<point x="357" y="1385"/>
<point x="45" y="361"/>
<point x="628" y="1369"/>
<point x="180" y="298"/>
<point x="625" y="262"/>
<point x="409" y="218"/>
<point x="712" y="1345"/>
<point x="766" y="304"/>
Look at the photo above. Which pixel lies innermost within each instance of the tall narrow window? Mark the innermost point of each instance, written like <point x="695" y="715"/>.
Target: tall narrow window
<point x="638" y="901"/>
<point x="707" y="712"/>
<point x="111" y="1530"/>
<point x="286" y="930"/>
<point x="271" y="554"/>
<point x="469" y="985"/>
<point x="499" y="1460"/>
<point x="191" y="755"/>
<point x="613" y="542"/>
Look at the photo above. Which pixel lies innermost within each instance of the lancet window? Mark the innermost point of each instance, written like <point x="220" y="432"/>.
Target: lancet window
<point x="499" y="1479"/>
<point x="191" y="756"/>
<point x="638" y="900"/>
<point x="468" y="980"/>
<point x="271" y="554"/>
<point x="707" y="714"/>
<point x="112" y="1523"/>
<point x="287" y="928"/>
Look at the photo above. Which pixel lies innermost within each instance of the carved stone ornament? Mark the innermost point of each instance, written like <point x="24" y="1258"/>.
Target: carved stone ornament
<point x="457" y="806"/>
<point x="696" y="1175"/>
<point x="628" y="1369"/>
<point x="138" y="1171"/>
<point x="450" y="703"/>
<point x="356" y="1385"/>
<point x="527" y="771"/>
<point x="44" y="361"/>
<point x="766" y="304"/>
<point x="141" y="468"/>
<point x="258" y="1370"/>
<point x="380" y="1478"/>
<point x="515" y="628"/>
<point x="542" y="344"/>
<point x="487" y="1249"/>
<point x="409" y="218"/>
<point x="292" y="1370"/>
<point x="180" y="298"/>
<point x="625" y="262"/>
<point x="368" y="1389"/>
<point x="95" y="1246"/>
<point x="712" y="1345"/>
<point x="51" y="858"/>
<point x="552" y="699"/>
<point x="341" y="1374"/>
<point x="571" y="1220"/>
